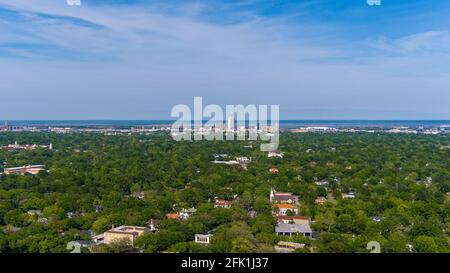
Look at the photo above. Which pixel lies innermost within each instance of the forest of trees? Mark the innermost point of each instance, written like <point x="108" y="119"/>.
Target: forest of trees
<point x="386" y="172"/>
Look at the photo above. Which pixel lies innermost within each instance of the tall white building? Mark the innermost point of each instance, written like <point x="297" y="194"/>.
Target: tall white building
<point x="230" y="123"/>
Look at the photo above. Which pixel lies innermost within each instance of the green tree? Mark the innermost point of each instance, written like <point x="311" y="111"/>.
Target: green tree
<point x="425" y="244"/>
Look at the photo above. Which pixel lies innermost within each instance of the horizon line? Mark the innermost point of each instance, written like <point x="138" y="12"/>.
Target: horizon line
<point x="36" y="120"/>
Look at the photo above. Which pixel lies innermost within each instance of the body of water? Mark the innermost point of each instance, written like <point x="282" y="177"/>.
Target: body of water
<point x="283" y="123"/>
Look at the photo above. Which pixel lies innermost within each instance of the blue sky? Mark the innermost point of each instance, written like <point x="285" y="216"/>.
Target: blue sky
<point x="317" y="59"/>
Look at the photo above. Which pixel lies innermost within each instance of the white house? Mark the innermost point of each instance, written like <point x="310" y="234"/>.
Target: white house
<point x="203" y="238"/>
<point x="275" y="154"/>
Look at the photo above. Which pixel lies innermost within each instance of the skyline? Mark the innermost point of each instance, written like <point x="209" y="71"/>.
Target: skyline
<point x="319" y="60"/>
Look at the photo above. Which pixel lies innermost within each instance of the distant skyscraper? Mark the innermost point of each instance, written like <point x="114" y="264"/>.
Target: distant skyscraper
<point x="230" y="123"/>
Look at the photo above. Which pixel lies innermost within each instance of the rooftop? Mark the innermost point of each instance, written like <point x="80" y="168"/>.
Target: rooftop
<point x="292" y="217"/>
<point x="134" y="230"/>
<point x="284" y="206"/>
<point x="293" y="228"/>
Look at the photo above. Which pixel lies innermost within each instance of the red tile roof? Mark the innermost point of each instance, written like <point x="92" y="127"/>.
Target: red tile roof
<point x="284" y="206"/>
<point x="172" y="216"/>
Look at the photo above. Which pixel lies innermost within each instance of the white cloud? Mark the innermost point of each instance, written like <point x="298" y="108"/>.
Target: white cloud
<point x="430" y="42"/>
<point x="143" y="60"/>
<point x="140" y="30"/>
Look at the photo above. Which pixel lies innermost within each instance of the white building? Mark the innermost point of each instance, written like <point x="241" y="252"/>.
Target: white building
<point x="203" y="238"/>
<point x="349" y="195"/>
<point x="275" y="154"/>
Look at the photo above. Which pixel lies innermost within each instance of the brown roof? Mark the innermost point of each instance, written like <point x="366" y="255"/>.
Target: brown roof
<point x="284" y="197"/>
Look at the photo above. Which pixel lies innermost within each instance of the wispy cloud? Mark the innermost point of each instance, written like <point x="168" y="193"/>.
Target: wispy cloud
<point x="147" y="29"/>
<point x="425" y="43"/>
<point x="145" y="56"/>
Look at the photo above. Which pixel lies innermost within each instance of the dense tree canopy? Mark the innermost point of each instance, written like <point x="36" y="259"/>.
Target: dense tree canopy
<point x="402" y="180"/>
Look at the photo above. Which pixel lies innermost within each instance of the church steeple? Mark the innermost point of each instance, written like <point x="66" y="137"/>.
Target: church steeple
<point x="272" y="194"/>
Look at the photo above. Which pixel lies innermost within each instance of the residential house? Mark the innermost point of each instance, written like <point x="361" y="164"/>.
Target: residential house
<point x="376" y="219"/>
<point x="203" y="238"/>
<point x="282" y="197"/>
<point x="243" y="160"/>
<point x="322" y="183"/>
<point x="219" y="203"/>
<point x="35" y="212"/>
<point x="275" y="154"/>
<point x="293" y="219"/>
<point x="282" y="209"/>
<point x="428" y="182"/>
<point x="274" y="170"/>
<point x="174" y="216"/>
<point x="349" y="195"/>
<point x="293" y="229"/>
<point x="229" y="162"/>
<point x="217" y="156"/>
<point x="184" y="214"/>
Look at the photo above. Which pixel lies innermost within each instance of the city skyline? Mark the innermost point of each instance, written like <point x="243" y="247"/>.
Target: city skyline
<point x="318" y="60"/>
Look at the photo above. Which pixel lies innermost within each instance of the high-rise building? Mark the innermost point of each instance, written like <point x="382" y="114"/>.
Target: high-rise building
<point x="230" y="123"/>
